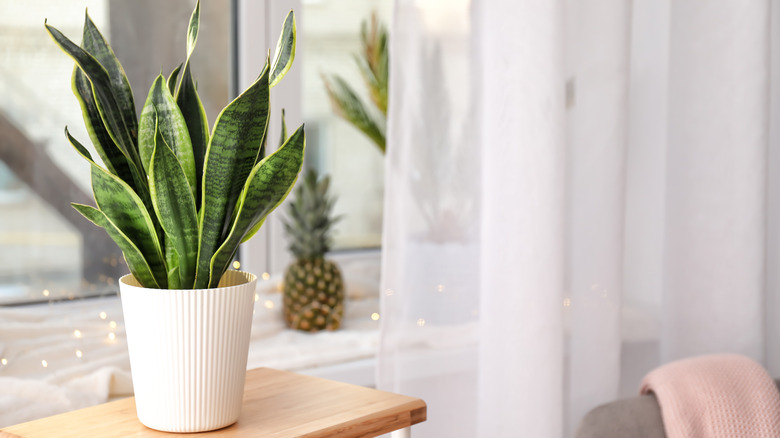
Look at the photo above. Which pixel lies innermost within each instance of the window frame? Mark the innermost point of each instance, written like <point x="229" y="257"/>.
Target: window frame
<point x="256" y="28"/>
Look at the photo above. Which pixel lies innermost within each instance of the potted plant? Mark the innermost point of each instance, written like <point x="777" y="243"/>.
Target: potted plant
<point x="178" y="199"/>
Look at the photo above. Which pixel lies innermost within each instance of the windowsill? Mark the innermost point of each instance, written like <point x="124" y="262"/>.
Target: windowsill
<point x="62" y="356"/>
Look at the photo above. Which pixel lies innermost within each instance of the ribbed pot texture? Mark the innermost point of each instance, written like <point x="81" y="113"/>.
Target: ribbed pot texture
<point x="188" y="351"/>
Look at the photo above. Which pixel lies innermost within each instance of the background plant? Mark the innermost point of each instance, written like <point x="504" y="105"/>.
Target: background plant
<point x="373" y="63"/>
<point x="177" y="198"/>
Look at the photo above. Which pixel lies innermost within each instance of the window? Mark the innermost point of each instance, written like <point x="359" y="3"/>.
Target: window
<point x="328" y="37"/>
<point x="330" y="33"/>
<point x="47" y="250"/>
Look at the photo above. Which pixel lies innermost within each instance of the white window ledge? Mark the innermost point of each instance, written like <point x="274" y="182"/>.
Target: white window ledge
<point x="62" y="356"/>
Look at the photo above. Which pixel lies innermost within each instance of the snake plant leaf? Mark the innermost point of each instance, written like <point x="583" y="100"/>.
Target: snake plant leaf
<point x="235" y="143"/>
<point x="194" y="115"/>
<point x="191" y="106"/>
<point x="78" y="146"/>
<point x="173" y="278"/>
<point x="106" y="103"/>
<point x="175" y="207"/>
<point x="268" y="185"/>
<point x="111" y="156"/>
<point x="192" y="29"/>
<point x="348" y="105"/>
<point x="283" y="133"/>
<point x="173" y="78"/>
<point x="285" y="50"/>
<point x="282" y="140"/>
<point x="117" y="200"/>
<point x="135" y="260"/>
<point x="127" y="212"/>
<point x="161" y="113"/>
<point x="96" y="45"/>
<point x="172" y="261"/>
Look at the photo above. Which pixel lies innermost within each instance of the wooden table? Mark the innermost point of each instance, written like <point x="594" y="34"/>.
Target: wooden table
<point x="276" y="404"/>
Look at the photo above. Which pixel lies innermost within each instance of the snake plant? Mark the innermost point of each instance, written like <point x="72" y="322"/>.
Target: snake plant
<point x="176" y="197"/>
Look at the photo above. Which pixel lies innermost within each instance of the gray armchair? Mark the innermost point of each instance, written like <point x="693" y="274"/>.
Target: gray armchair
<point x="638" y="417"/>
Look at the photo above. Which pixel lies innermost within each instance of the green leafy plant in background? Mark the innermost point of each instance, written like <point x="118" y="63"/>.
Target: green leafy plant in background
<point x="177" y="197"/>
<point x="373" y="63"/>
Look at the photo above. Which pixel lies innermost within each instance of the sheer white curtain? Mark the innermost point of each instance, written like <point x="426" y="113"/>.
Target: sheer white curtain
<point x="577" y="192"/>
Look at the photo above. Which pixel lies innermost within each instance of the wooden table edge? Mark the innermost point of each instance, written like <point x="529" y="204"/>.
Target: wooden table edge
<point x="410" y="412"/>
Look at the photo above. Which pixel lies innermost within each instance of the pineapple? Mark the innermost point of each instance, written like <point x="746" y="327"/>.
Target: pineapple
<point x="313" y="287"/>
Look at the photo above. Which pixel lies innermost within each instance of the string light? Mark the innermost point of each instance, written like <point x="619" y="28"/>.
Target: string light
<point x="440" y="288"/>
<point x="4" y="361"/>
<point x="269" y="304"/>
<point x="44" y="363"/>
<point x="79" y="354"/>
<point x="375" y="316"/>
<point x="111" y="336"/>
<point x="266" y="276"/>
<point x="46" y="292"/>
<point x="103" y="315"/>
<point x="257" y="297"/>
<point x="77" y="333"/>
<point x="421" y="322"/>
<point x="236" y="264"/>
<point x="112" y="324"/>
<point x="566" y="302"/>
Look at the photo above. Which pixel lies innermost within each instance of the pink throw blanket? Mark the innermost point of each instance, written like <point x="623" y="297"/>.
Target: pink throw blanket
<point x="715" y="396"/>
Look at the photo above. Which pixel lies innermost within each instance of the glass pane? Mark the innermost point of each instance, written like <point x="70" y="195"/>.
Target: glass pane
<point x="47" y="250"/>
<point x="331" y="39"/>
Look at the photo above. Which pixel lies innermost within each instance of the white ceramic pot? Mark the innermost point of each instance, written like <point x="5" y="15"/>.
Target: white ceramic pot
<point x="188" y="351"/>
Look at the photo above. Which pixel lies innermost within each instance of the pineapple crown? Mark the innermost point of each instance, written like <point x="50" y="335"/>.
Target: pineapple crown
<point x="310" y="216"/>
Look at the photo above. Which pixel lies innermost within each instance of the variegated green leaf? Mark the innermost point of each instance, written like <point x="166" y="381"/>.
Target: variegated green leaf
<point x="267" y="186"/>
<point x="160" y="113"/>
<point x="135" y="260"/>
<point x="109" y="153"/>
<point x="192" y="29"/>
<point x="79" y="147"/>
<point x="110" y="112"/>
<point x="282" y="140"/>
<point x="285" y="50"/>
<point x="174" y="278"/>
<point x="197" y="124"/>
<point x="233" y="149"/>
<point x="172" y="260"/>
<point x="191" y="106"/>
<point x="96" y="45"/>
<point x="283" y="132"/>
<point x="117" y="200"/>
<point x="173" y="78"/>
<point x="175" y="208"/>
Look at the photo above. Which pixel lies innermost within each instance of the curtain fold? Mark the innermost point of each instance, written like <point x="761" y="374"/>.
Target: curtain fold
<point x="598" y="38"/>
<point x="576" y="193"/>
<point x="521" y="148"/>
<point x="716" y="179"/>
